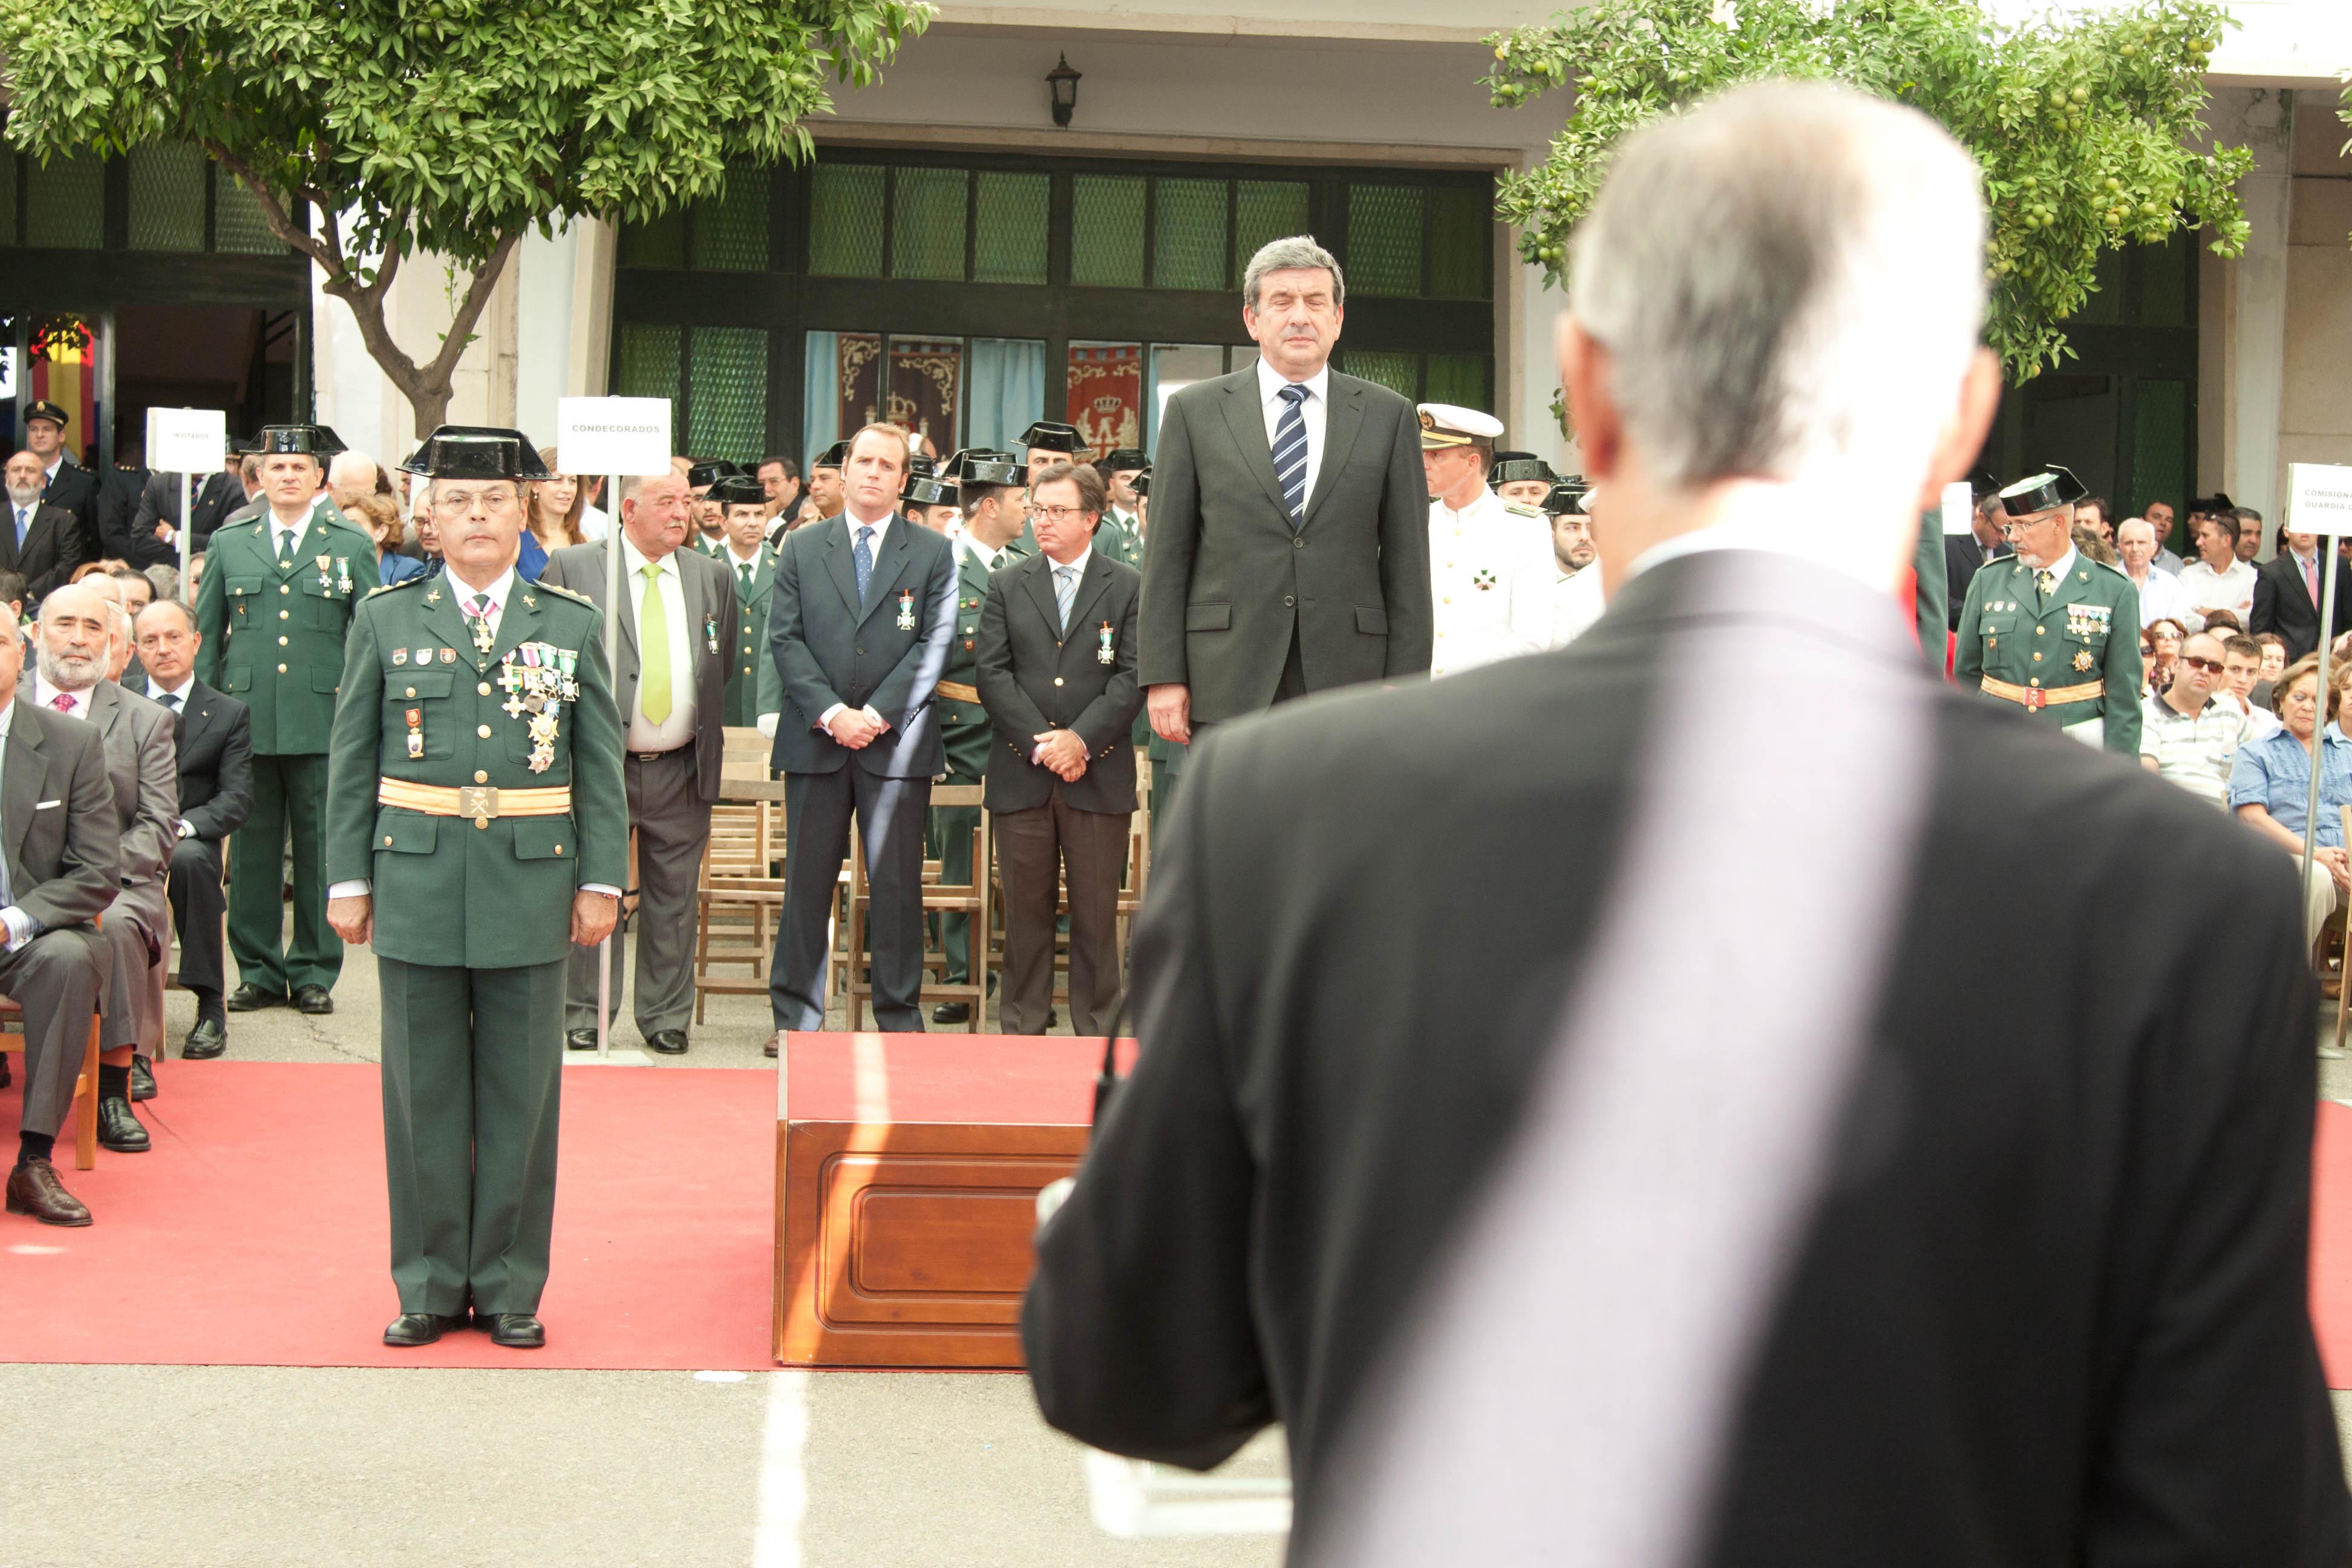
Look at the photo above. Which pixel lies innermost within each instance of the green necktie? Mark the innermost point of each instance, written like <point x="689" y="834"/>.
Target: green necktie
<point x="653" y="648"/>
<point x="744" y="571"/>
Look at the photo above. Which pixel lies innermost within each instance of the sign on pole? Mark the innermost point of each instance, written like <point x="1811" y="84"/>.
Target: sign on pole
<point x="187" y="442"/>
<point x="2319" y="500"/>
<point x="1960" y="507"/>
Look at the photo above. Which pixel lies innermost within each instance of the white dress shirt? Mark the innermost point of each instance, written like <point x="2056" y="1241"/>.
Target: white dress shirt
<point x="1314" y="412"/>
<point x="881" y="528"/>
<point x="594" y="523"/>
<point x="1551" y="608"/>
<point x="1053" y="578"/>
<point x="677" y="728"/>
<point x="279" y="532"/>
<point x="1473" y="555"/>
<point x="2207" y="589"/>
<point x="178" y="708"/>
<point x="2162" y="597"/>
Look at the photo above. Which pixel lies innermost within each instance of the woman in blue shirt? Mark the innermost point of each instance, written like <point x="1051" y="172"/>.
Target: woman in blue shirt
<point x="2270" y="788"/>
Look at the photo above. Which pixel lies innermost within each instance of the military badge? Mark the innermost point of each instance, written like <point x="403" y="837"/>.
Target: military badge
<point x="2082" y="659"/>
<point x="448" y="655"/>
<point x="416" y="731"/>
<point x="906" y="611"/>
<point x="1483" y="582"/>
<point x="325" y="581"/>
<point x="400" y="656"/>
<point x="1103" y="654"/>
<point x="710" y="633"/>
<point x="344" y="574"/>
<point x="424" y="657"/>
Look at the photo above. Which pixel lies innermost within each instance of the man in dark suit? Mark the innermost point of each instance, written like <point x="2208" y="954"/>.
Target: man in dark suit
<point x="2287" y="591"/>
<point x="40" y="541"/>
<point x="1430" y="1155"/>
<point x="119" y="490"/>
<point x="1056" y="673"/>
<point x="858" y="623"/>
<point x="157" y="517"/>
<point x="1964" y="553"/>
<point x="214" y="737"/>
<point x="57" y="827"/>
<point x="1290" y="518"/>
<point x="678" y="631"/>
<point x="67" y="485"/>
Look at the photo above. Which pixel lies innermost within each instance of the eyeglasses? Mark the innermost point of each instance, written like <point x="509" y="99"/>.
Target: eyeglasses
<point x="2211" y="666"/>
<point x="1058" y="513"/>
<point x="458" y="503"/>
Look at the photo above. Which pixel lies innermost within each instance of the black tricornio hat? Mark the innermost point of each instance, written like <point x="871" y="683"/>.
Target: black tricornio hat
<point x="1120" y="458"/>
<point x="1981" y="485"/>
<point x="474" y="452"/>
<point x="928" y="489"/>
<point x="737" y="490"/>
<point x="1509" y="468"/>
<point x="985" y="467"/>
<point x="833" y="457"/>
<point x="1567" y="496"/>
<point x="1142" y="483"/>
<point x="45" y="409"/>
<point x="313" y="440"/>
<point x="1054" y="438"/>
<point x="710" y="473"/>
<point x="2053" y="486"/>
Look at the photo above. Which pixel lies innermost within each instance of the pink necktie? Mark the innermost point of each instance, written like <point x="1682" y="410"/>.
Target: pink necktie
<point x="2310" y="579"/>
<point x="63" y="702"/>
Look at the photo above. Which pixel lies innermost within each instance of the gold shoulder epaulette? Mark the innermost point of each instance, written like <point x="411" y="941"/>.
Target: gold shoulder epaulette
<point x="573" y="595"/>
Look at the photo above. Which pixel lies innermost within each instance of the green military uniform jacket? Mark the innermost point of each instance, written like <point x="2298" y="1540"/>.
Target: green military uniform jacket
<point x="965" y="727"/>
<point x="744" y="680"/>
<point x="273" y="636"/>
<point x="448" y="892"/>
<point x="2083" y="646"/>
<point x="1121" y="541"/>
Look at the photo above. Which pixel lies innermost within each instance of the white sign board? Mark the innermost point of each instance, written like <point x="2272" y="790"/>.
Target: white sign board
<point x="2319" y="499"/>
<point x="623" y="436"/>
<point x="186" y="440"/>
<point x="1960" y="507"/>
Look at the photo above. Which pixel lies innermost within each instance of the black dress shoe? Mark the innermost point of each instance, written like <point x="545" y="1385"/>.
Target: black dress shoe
<point x="5" y="1079"/>
<point x="668" y="1042"/>
<point x="208" y="1039"/>
<point x="579" y="1039"/>
<point x="142" y="1078"/>
<point x="312" y="999"/>
<point x="952" y="1013"/>
<point x="253" y="999"/>
<point x="516" y="1330"/>
<point x="118" y="1128"/>
<point x="769" y="1050"/>
<point x="33" y="1189"/>
<point x="412" y="1329"/>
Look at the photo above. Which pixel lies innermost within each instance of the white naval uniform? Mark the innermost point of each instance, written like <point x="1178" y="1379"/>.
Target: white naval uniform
<point x="1550" y="609"/>
<point x="1473" y="555"/>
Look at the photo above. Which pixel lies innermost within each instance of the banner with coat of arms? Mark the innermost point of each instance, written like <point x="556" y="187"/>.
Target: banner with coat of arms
<point x="926" y="384"/>
<point x="1106" y="400"/>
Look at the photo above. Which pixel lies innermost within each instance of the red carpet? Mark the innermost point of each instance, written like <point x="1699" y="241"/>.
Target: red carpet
<point x="2331" y="1241"/>
<point x="253" y="1234"/>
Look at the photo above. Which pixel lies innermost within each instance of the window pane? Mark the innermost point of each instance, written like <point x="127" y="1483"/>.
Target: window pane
<point x="731" y="229"/>
<point x="238" y="223"/>
<point x="1005" y="391"/>
<point x="1461" y="223"/>
<point x="1107" y="231"/>
<point x="658" y="243"/>
<point x="727" y="405"/>
<point x="66" y="202"/>
<point x="1264" y="210"/>
<point x="1399" y="372"/>
<point x="1012" y="222"/>
<point x="1461" y="379"/>
<point x="845" y="220"/>
<point x="2160" y="447"/>
<point x="1187" y="235"/>
<point x="2104" y="306"/>
<point x="1384" y="239"/>
<point x="2163" y="282"/>
<point x="927" y="240"/>
<point x="167" y="196"/>
<point x="649" y="361"/>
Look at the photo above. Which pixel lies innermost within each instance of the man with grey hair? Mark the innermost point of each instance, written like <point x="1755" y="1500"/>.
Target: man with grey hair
<point x="1434" y="1154"/>
<point x="1290" y="525"/>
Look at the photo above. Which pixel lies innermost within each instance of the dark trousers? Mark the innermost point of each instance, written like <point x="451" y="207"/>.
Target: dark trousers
<point x="289" y="798"/>
<point x="1088" y="848"/>
<point x="952" y="827"/>
<point x="673" y="824"/>
<point x="197" y="902"/>
<point x="473" y="1071"/>
<point x="57" y="978"/>
<point x="889" y="813"/>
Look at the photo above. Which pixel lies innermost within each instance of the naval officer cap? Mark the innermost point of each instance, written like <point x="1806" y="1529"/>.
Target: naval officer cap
<point x="44" y="409"/>
<point x="833" y="457"/>
<point x="710" y="473"/>
<point x="2051" y="489"/>
<point x="1566" y="497"/>
<point x="1512" y="467"/>
<point x="1445" y="425"/>
<point x="1118" y="459"/>
<point x="474" y="452"/>
<point x="1047" y="435"/>
<point x="737" y="490"/>
<point x="301" y="440"/>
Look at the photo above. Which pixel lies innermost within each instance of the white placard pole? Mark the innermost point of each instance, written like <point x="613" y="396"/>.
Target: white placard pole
<point x="619" y="437"/>
<point x="2319" y="501"/>
<point x="1959" y="508"/>
<point x="180" y="441"/>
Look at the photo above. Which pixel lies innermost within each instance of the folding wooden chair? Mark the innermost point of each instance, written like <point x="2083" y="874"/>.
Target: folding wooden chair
<point x="85" y="1101"/>
<point x="971" y="899"/>
<point x="740" y="894"/>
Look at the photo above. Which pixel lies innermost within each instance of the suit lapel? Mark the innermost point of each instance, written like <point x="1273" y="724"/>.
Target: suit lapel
<point x="20" y="790"/>
<point x="1039" y="579"/>
<point x="105" y="708"/>
<point x="1092" y="586"/>
<point x="697" y="613"/>
<point x="1342" y="420"/>
<point x="841" y="567"/>
<point x="1246" y="420"/>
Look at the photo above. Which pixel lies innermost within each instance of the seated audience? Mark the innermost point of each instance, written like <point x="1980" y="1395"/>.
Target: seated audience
<point x="162" y="583"/>
<point x="2187" y="734"/>
<point x="2217" y="579"/>
<point x="2095" y="513"/>
<point x="2242" y="664"/>
<point x="379" y="515"/>
<point x="2163" y="648"/>
<point x="2089" y="541"/>
<point x="2222" y="622"/>
<point x="2160" y="593"/>
<point x="2270" y="788"/>
<point x="40" y="541"/>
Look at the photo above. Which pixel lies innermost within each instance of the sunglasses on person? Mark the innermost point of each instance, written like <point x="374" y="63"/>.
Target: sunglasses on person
<point x="2210" y="666"/>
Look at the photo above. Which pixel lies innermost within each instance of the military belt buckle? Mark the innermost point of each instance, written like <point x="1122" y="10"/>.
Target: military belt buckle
<point x="479" y="802"/>
<point x="2035" y="697"/>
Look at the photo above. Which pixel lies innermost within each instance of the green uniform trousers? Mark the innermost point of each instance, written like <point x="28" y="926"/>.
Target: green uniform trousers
<point x="473" y="1073"/>
<point x="952" y="830"/>
<point x="288" y="793"/>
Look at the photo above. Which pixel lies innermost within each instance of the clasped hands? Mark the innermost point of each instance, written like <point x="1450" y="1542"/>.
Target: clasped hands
<point x="593" y="914"/>
<point x="856" y="729"/>
<point x="1062" y="753"/>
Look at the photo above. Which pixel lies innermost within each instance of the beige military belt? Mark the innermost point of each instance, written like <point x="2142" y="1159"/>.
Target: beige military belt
<point x="2036" y="697"/>
<point x="959" y="692"/>
<point x="480" y="802"/>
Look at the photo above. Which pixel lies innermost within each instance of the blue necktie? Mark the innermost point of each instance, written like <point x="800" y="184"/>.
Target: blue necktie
<point x="1066" y="588"/>
<point x="863" y="555"/>
<point x="24" y="524"/>
<point x="1290" y="452"/>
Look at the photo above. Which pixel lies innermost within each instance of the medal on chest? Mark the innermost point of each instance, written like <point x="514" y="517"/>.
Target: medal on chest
<point x="539" y="679"/>
<point x="416" y="731"/>
<point x="906" y="611"/>
<point x="1483" y="582"/>
<point x="342" y="573"/>
<point x="710" y="633"/>
<point x="1107" y="638"/>
<point x="326" y="578"/>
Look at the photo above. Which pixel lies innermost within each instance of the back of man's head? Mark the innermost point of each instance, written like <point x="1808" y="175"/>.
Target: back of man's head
<point x="1789" y="280"/>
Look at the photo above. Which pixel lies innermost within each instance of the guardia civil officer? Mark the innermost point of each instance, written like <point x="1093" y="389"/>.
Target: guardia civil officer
<point x="2048" y="629"/>
<point x="476" y="834"/>
<point x="1120" y="537"/>
<point x="273" y="609"/>
<point x="1523" y="477"/>
<point x="742" y="505"/>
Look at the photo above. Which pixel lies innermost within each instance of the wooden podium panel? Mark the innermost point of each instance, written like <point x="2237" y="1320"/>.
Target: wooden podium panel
<point x="908" y="1168"/>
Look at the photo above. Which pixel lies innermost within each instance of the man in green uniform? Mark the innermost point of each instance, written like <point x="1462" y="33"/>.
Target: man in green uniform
<point x="995" y="502"/>
<point x="1120" y="537"/>
<point x="476" y="831"/>
<point x="743" y="513"/>
<point x="272" y="608"/>
<point x="2051" y="630"/>
<point x="929" y="500"/>
<point x="709" y="534"/>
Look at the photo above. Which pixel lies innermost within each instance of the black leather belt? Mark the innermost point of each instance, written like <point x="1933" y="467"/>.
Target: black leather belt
<point x="657" y="756"/>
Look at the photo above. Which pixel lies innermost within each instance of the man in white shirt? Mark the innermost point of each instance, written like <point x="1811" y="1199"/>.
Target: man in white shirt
<point x="2188" y="735"/>
<point x="2241" y="667"/>
<point x="1478" y="541"/>
<point x="2161" y="596"/>
<point x="2217" y="579"/>
<point x="1552" y="605"/>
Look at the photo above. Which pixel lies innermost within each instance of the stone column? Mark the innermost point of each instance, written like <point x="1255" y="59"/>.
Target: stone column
<point x="2263" y="118"/>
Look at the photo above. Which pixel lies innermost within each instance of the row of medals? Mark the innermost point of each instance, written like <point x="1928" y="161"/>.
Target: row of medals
<point x="538" y="681"/>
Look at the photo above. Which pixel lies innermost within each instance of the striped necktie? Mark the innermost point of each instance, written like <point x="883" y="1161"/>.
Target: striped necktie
<point x="1066" y="588"/>
<point x="1290" y="452"/>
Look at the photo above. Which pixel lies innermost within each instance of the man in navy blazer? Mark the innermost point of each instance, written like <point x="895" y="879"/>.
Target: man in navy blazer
<point x="859" y="624"/>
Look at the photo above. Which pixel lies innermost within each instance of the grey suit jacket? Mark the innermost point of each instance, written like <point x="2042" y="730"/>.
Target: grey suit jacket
<point x="712" y="618"/>
<point x="143" y="766"/>
<point x="1227" y="581"/>
<point x="56" y="818"/>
